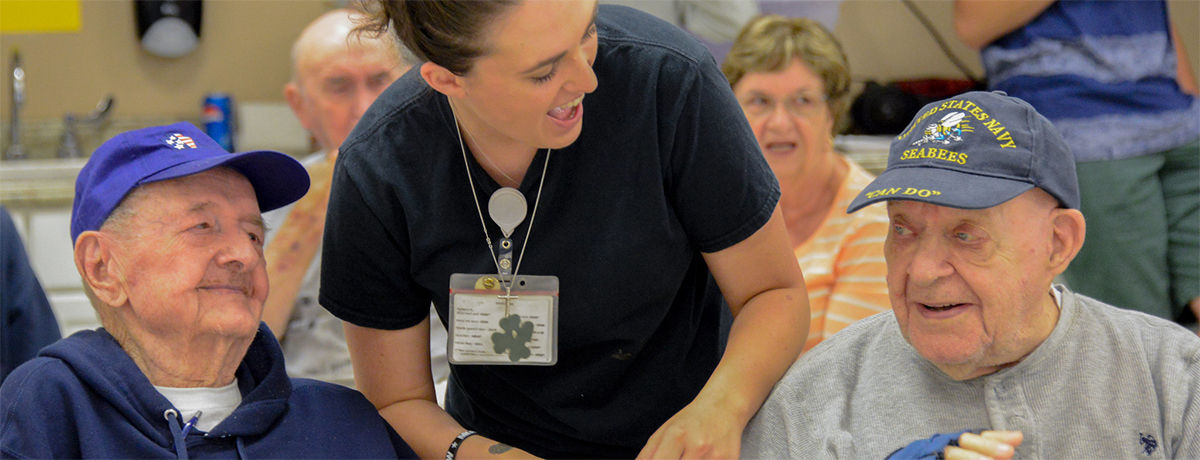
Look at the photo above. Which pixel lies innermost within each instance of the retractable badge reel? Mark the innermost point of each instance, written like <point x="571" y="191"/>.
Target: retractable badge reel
<point x="507" y="209"/>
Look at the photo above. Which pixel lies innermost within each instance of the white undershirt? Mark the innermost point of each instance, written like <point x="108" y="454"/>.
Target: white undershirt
<point x="216" y="403"/>
<point x="1054" y="291"/>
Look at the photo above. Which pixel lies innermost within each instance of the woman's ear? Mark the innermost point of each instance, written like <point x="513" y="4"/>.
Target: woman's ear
<point x="94" y="261"/>
<point x="442" y="80"/>
<point x="1068" y="233"/>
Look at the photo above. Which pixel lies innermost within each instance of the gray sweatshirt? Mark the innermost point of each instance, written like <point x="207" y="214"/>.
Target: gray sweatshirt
<point x="1106" y="383"/>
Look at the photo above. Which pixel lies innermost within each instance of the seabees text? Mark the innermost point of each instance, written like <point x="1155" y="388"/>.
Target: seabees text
<point x="936" y="153"/>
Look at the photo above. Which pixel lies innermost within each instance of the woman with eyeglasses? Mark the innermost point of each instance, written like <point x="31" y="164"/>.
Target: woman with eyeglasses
<point x="792" y="80"/>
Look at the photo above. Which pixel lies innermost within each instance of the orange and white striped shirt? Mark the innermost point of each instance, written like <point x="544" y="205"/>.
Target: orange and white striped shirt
<point x="843" y="262"/>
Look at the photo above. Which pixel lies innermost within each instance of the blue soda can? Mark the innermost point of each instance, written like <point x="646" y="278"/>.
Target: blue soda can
<point x="218" y="118"/>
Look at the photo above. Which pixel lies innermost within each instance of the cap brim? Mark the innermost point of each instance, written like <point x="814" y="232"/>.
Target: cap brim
<point x="943" y="187"/>
<point x="277" y="178"/>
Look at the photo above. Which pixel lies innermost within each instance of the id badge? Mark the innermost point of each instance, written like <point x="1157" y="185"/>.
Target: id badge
<point x="489" y="327"/>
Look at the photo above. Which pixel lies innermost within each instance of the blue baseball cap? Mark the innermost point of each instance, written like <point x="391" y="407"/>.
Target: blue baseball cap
<point x="974" y="151"/>
<point x="158" y="153"/>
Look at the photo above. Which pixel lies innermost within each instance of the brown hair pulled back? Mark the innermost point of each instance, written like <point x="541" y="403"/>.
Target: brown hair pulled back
<point x="445" y="32"/>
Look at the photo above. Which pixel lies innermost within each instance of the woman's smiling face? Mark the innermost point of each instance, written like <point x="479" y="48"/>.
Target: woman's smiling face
<point x="528" y="87"/>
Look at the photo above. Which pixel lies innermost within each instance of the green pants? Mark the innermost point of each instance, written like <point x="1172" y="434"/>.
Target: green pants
<point x="1142" y="249"/>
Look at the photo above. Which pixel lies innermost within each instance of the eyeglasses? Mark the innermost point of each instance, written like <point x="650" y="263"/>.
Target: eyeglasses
<point x="800" y="105"/>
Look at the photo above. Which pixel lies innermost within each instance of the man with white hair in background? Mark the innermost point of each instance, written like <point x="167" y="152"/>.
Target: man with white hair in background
<point x="336" y="74"/>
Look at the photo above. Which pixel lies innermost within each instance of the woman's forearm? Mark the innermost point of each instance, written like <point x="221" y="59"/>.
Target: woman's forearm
<point x="767" y="336"/>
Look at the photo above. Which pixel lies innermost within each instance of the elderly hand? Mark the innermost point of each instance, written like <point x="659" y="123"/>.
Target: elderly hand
<point x="988" y="444"/>
<point x="700" y="430"/>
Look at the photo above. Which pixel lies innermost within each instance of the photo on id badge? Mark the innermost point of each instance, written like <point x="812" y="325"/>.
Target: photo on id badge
<point x="498" y="321"/>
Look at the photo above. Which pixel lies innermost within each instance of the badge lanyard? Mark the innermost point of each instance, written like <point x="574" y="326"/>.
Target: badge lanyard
<point x="532" y="340"/>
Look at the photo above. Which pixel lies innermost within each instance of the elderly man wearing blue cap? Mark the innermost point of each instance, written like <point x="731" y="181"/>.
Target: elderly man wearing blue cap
<point x="168" y="236"/>
<point x="983" y="354"/>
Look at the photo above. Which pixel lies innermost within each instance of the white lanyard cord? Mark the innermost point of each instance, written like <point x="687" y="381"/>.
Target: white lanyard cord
<point x="482" y="223"/>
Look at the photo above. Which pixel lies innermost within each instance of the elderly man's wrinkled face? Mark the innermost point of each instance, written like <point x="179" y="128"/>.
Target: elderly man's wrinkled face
<point x="336" y="87"/>
<point x="970" y="287"/>
<point x="192" y="256"/>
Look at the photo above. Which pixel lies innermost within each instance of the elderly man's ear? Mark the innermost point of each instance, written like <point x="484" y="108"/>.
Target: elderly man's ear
<point x="94" y="261"/>
<point x="295" y="100"/>
<point x="1068" y="233"/>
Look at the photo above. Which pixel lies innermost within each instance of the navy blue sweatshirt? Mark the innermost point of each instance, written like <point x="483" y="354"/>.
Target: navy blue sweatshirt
<point x="84" y="397"/>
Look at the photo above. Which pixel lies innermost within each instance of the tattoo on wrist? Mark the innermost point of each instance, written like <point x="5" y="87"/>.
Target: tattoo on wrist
<point x="499" y="448"/>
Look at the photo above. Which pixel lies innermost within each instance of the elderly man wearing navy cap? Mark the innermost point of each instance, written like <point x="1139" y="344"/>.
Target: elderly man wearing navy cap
<point x="983" y="354"/>
<point x="168" y="233"/>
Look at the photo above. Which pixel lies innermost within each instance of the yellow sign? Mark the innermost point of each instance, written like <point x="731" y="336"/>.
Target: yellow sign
<point x="39" y="16"/>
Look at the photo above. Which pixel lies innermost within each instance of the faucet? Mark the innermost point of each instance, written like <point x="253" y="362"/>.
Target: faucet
<point x="68" y="146"/>
<point x="14" y="151"/>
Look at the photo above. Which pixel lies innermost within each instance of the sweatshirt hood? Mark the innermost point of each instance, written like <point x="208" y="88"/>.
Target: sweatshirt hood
<point x="102" y="365"/>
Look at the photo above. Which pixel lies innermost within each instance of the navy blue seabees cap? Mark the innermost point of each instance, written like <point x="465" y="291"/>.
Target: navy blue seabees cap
<point x="142" y="156"/>
<point x="974" y="151"/>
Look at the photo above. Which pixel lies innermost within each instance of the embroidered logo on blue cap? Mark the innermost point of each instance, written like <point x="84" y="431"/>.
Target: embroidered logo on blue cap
<point x="179" y="142"/>
<point x="955" y="122"/>
<point x="948" y="129"/>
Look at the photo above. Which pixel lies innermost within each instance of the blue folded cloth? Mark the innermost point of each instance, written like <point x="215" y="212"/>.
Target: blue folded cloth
<point x="928" y="449"/>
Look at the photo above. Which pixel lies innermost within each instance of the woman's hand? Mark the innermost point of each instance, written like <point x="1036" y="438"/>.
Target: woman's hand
<point x="700" y="430"/>
<point x="765" y="290"/>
